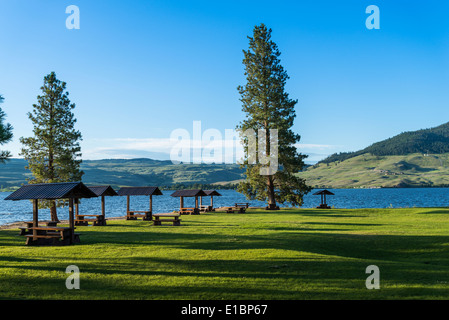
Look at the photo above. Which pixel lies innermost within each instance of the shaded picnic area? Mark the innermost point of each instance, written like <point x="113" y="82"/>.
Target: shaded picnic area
<point x="51" y="234"/>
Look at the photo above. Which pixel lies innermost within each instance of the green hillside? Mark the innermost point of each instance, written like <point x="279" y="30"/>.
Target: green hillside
<point x="133" y="172"/>
<point x="426" y="141"/>
<point x="371" y="171"/>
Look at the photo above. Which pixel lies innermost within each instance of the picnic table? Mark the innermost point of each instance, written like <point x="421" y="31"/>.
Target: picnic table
<point x="205" y="208"/>
<point x="169" y="217"/>
<point x="29" y="224"/>
<point x="189" y="211"/>
<point x="231" y="209"/>
<point x="133" y="215"/>
<point x="50" y="235"/>
<point x="242" y="205"/>
<point x="97" y="220"/>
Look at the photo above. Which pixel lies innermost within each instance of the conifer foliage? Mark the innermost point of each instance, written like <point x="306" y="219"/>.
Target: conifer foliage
<point x="5" y="134"/>
<point x="267" y="107"/>
<point x="53" y="152"/>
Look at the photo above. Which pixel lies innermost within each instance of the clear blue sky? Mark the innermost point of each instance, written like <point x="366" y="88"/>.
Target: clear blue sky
<point x="137" y="70"/>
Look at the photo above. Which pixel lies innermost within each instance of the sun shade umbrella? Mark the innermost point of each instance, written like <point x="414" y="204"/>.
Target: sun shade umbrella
<point x="323" y="194"/>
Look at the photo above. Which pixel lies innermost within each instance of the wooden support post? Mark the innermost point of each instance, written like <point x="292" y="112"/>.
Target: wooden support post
<point x="35" y="217"/>
<point x="151" y="203"/>
<point x="103" y="211"/>
<point x="77" y="207"/>
<point x="212" y="201"/>
<point x="182" y="202"/>
<point x="71" y="221"/>
<point x="196" y="202"/>
<point x="127" y="205"/>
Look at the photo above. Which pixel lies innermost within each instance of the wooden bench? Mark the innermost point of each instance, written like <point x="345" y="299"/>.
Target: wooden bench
<point x="98" y="220"/>
<point x="242" y="205"/>
<point x="133" y="215"/>
<point x="189" y="211"/>
<point x="174" y="218"/>
<point x="51" y="236"/>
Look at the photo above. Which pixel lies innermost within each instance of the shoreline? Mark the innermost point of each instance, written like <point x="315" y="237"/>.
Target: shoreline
<point x="17" y="224"/>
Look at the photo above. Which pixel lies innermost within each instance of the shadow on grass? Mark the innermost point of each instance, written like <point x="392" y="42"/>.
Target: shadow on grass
<point x="171" y="278"/>
<point x="419" y="249"/>
<point x="435" y="212"/>
<point x="189" y="263"/>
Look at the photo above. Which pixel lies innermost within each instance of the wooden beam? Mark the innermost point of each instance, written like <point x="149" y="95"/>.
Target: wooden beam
<point x="127" y="204"/>
<point x="151" y="203"/>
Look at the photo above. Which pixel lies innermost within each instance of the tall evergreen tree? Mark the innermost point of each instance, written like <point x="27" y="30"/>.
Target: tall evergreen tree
<point x="5" y="133"/>
<point x="267" y="106"/>
<point x="53" y="152"/>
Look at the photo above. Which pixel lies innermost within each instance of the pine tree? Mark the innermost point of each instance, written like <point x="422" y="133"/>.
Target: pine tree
<point x="5" y="134"/>
<point x="53" y="152"/>
<point x="267" y="106"/>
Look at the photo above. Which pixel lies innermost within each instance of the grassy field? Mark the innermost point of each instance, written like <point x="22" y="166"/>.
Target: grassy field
<point x="290" y="254"/>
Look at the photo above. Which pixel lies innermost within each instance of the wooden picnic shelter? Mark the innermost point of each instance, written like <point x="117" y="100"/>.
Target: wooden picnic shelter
<point x="323" y="194"/>
<point x="52" y="191"/>
<point x="98" y="220"/>
<point x="192" y="193"/>
<point x="210" y="193"/>
<point x="139" y="191"/>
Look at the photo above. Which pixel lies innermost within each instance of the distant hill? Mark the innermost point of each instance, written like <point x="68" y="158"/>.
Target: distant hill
<point x="134" y="172"/>
<point x="425" y="141"/>
<point x="370" y="171"/>
<point x="410" y="159"/>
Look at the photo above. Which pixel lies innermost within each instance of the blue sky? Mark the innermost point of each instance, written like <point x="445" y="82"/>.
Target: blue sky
<point x="137" y="70"/>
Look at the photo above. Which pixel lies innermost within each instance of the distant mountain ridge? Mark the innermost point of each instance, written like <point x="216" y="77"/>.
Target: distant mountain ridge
<point x="426" y="141"/>
<point x="134" y="172"/>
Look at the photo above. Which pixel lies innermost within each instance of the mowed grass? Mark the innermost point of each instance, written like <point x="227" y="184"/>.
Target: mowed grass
<point x="288" y="254"/>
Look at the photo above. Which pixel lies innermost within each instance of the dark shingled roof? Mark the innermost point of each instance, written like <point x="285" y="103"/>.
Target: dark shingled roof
<point x="189" y="193"/>
<point x="103" y="191"/>
<point x="139" y="191"/>
<point x="212" y="193"/>
<point x="326" y="192"/>
<point x="51" y="191"/>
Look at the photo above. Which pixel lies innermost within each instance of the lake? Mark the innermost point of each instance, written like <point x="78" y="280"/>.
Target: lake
<point x="12" y="211"/>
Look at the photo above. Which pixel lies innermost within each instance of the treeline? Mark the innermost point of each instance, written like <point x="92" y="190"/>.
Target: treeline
<point x="185" y="186"/>
<point x="426" y="141"/>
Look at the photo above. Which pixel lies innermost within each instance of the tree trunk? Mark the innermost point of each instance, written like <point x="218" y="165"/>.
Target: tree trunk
<point x="271" y="197"/>
<point x="54" y="215"/>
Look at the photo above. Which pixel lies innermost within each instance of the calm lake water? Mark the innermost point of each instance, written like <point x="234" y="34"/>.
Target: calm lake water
<point x="12" y="211"/>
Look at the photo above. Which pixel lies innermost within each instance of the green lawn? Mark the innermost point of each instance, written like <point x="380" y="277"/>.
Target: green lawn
<point x="290" y="254"/>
